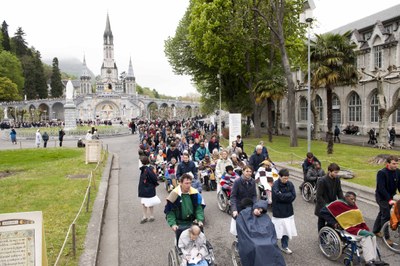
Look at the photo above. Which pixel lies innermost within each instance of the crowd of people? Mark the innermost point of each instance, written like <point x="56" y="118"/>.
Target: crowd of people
<point x="182" y="150"/>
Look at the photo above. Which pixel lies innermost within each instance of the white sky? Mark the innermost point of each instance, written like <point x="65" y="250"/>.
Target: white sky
<point x="75" y="28"/>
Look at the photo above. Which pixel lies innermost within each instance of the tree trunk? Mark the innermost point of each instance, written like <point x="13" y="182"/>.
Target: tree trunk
<point x="257" y="109"/>
<point x="383" y="133"/>
<point x="315" y="134"/>
<point x="329" y="133"/>
<point x="269" y="115"/>
<point x="278" y="122"/>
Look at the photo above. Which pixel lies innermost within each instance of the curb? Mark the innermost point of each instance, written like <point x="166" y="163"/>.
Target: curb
<point x="94" y="230"/>
<point x="364" y="194"/>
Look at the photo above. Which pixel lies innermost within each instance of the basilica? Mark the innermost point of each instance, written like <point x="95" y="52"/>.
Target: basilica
<point x="111" y="98"/>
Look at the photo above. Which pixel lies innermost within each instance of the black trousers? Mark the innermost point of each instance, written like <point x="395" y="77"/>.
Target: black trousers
<point x="382" y="217"/>
<point x="321" y="223"/>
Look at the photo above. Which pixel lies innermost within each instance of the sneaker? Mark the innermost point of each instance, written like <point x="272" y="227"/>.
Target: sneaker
<point x="151" y="219"/>
<point x="144" y="219"/>
<point x="287" y="251"/>
<point x="379" y="234"/>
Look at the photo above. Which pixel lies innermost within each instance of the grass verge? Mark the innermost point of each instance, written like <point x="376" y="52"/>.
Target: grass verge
<point x="43" y="180"/>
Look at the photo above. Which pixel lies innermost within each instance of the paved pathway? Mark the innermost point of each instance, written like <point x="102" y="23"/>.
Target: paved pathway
<point x="127" y="242"/>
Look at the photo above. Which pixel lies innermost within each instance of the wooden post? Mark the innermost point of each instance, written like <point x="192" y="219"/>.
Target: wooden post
<point x="73" y="240"/>
<point x="88" y="200"/>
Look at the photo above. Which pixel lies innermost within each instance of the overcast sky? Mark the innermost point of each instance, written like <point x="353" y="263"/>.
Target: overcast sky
<point x="75" y="28"/>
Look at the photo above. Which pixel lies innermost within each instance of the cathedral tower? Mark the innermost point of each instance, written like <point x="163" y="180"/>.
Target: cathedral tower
<point x="85" y="78"/>
<point x="109" y="70"/>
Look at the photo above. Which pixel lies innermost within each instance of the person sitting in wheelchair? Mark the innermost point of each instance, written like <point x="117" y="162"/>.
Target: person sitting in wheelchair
<point x="257" y="242"/>
<point x="344" y="214"/>
<point x="227" y="179"/>
<point x="314" y="173"/>
<point x="192" y="243"/>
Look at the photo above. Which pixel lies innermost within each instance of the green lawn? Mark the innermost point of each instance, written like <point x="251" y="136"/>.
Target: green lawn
<point x="39" y="181"/>
<point x="355" y="158"/>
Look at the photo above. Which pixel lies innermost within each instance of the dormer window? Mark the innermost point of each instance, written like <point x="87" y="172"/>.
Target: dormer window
<point x="388" y="28"/>
<point x="367" y="36"/>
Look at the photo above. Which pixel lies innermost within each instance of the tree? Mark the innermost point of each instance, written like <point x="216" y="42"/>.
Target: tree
<point x="8" y="90"/>
<point x="383" y="111"/>
<point x="19" y="43"/>
<point x="282" y="16"/>
<point x="11" y="68"/>
<point x="332" y="63"/>
<point x="5" y="42"/>
<point x="56" y="84"/>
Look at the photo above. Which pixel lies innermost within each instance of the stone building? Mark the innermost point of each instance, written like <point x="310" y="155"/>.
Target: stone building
<point x="377" y="39"/>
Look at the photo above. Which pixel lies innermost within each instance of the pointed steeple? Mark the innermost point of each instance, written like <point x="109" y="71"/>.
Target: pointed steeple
<point x="85" y="71"/>
<point x="108" y="36"/>
<point x="130" y="70"/>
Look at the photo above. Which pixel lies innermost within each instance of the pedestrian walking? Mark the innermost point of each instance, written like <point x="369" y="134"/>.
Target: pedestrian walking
<point x="61" y="135"/>
<point x="329" y="189"/>
<point x="392" y="136"/>
<point x="38" y="138"/>
<point x="13" y="136"/>
<point x="45" y="138"/>
<point x="283" y="195"/>
<point x="387" y="183"/>
<point x="336" y="134"/>
<point x="147" y="190"/>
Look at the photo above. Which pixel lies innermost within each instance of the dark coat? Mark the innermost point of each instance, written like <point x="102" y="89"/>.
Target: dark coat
<point x="283" y="196"/>
<point x="61" y="134"/>
<point x="241" y="191"/>
<point x="255" y="160"/>
<point x="328" y="190"/>
<point x="45" y="136"/>
<point x="257" y="241"/>
<point x="309" y="163"/>
<point x="387" y="182"/>
<point x="186" y="168"/>
<point x="147" y="182"/>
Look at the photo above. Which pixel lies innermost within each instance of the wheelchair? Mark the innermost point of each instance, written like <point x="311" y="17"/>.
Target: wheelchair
<point x="235" y="254"/>
<point x="175" y="254"/>
<point x="223" y="200"/>
<point x="334" y="242"/>
<point x="309" y="191"/>
<point x="393" y="235"/>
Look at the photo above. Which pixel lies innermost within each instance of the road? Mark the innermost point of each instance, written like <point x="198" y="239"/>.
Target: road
<point x="148" y="244"/>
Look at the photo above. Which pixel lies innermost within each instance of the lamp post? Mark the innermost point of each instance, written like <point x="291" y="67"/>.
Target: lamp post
<point x="219" y="114"/>
<point x="309" y="21"/>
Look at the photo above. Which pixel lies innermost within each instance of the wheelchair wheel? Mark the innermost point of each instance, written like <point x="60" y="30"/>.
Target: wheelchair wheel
<point x="330" y="243"/>
<point x="307" y="192"/>
<point x="173" y="258"/>
<point x="235" y="254"/>
<point x="222" y="200"/>
<point x="393" y="242"/>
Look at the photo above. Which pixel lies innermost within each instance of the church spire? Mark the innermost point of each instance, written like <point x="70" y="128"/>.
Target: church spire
<point x="130" y="70"/>
<point x="108" y="36"/>
<point x="85" y="71"/>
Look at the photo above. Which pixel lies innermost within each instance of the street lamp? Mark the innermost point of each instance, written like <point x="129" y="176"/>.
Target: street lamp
<point x="309" y="21"/>
<point x="220" y="89"/>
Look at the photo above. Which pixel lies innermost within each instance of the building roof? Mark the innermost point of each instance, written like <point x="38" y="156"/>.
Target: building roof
<point x="369" y="21"/>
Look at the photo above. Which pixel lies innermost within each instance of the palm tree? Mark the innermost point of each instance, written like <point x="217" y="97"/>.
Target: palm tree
<point x="333" y="64"/>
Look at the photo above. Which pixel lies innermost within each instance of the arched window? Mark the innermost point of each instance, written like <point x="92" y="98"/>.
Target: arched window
<point x="398" y="115"/>
<point x="354" y="108"/>
<point x="374" y="108"/>
<point x="303" y="109"/>
<point x="319" y="107"/>
<point x="336" y="117"/>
